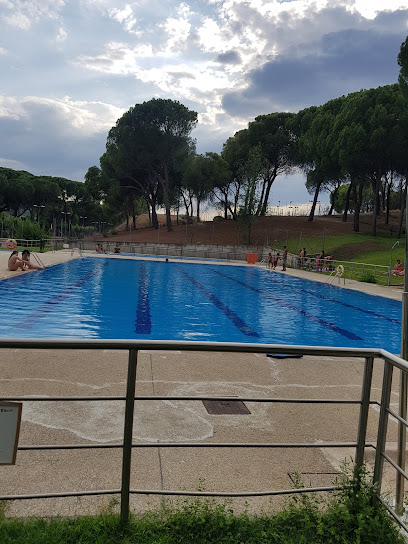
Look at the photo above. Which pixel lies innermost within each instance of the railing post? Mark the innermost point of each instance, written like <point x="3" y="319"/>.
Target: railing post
<point x="128" y="436"/>
<point x="382" y="425"/>
<point x="365" y="405"/>
<point x="402" y="430"/>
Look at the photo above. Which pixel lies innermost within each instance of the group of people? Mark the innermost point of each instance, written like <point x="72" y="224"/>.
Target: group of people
<point x="273" y="260"/>
<point x="15" y="263"/>
<point x="99" y="248"/>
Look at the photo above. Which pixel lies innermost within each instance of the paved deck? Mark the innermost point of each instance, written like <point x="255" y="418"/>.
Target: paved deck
<point x="103" y="372"/>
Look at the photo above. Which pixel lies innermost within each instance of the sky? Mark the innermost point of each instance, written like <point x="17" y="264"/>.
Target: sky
<point x="70" y="68"/>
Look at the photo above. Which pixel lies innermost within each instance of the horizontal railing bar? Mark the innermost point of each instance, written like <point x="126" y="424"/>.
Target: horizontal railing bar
<point x="195" y="445"/>
<point x="166" y="492"/>
<point x="186" y="398"/>
<point x="171" y="345"/>
<point x="393" y="514"/>
<point x="395" y="465"/>
<point x="232" y="494"/>
<point x="60" y="494"/>
<point x="403" y="421"/>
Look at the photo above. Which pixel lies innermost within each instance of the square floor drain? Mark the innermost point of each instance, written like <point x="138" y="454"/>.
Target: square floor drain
<point x="221" y="407"/>
<point x="313" y="479"/>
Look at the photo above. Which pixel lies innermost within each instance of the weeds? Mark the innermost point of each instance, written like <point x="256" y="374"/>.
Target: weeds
<point x="352" y="515"/>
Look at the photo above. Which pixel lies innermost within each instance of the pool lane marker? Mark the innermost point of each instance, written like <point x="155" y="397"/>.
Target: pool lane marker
<point x="143" y="323"/>
<point x="50" y="304"/>
<point x="232" y="316"/>
<point x="344" y="332"/>
<point x="340" y="302"/>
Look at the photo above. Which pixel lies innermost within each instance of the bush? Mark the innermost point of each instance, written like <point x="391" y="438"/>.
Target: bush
<point x="368" y="277"/>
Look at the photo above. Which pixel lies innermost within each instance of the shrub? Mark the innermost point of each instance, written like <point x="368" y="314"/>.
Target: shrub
<point x="368" y="277"/>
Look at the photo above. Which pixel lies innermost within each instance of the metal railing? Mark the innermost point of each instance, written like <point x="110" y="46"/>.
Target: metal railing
<point x="364" y="272"/>
<point x="360" y="445"/>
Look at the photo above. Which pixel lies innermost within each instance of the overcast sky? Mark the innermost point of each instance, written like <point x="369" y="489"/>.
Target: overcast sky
<point x="70" y="68"/>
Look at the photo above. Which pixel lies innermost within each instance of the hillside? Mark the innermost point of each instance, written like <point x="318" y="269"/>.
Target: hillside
<point x="271" y="230"/>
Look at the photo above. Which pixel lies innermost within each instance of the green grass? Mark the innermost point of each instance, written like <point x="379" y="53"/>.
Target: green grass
<point x="351" y="516"/>
<point x="361" y="248"/>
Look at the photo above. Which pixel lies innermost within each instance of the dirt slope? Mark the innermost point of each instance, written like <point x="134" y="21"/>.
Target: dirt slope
<point x="265" y="230"/>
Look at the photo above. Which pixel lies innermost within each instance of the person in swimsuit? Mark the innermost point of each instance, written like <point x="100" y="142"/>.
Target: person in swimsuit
<point x="398" y="269"/>
<point x="14" y="262"/>
<point x="284" y="258"/>
<point x="26" y="258"/>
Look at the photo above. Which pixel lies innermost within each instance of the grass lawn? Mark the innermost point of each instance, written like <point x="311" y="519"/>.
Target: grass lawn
<point x="361" y="248"/>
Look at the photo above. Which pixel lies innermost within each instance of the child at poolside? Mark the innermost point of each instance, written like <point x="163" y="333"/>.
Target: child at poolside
<point x="26" y="258"/>
<point x="275" y="261"/>
<point x="14" y="262"/>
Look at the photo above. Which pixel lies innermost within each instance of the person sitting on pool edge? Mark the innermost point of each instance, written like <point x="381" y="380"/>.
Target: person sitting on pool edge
<point x="116" y="249"/>
<point x="26" y="258"/>
<point x="14" y="262"/>
<point x="398" y="269"/>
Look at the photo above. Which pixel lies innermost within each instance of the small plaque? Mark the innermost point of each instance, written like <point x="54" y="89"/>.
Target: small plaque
<point x="10" y="418"/>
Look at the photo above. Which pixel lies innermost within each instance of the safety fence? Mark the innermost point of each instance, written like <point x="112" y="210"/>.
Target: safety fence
<point x="364" y="272"/>
<point x="367" y="357"/>
<point x="179" y="251"/>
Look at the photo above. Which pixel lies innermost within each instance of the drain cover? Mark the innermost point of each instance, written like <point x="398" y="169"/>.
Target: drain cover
<point x="221" y="407"/>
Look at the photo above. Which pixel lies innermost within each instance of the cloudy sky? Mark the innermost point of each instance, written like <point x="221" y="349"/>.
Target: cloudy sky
<point x="70" y="68"/>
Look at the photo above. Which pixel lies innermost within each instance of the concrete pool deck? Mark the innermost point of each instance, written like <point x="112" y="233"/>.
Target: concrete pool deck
<point x="63" y="373"/>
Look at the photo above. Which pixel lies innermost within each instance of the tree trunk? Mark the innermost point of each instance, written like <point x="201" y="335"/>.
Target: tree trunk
<point x="316" y="195"/>
<point x="198" y="210"/>
<point x="387" y="204"/>
<point x="358" y="199"/>
<point x="376" y="189"/>
<point x="271" y="179"/>
<point x="402" y="210"/>
<point x="347" y="203"/>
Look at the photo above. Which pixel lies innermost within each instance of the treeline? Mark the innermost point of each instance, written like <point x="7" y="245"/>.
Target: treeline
<point x="36" y="206"/>
<point x="355" y="146"/>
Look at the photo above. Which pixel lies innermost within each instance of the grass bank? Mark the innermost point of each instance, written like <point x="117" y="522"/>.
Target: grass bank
<point x="361" y="248"/>
<point x="349" y="517"/>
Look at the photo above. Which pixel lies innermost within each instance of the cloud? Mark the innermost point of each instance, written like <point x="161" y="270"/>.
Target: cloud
<point x="229" y="57"/>
<point x="340" y="63"/>
<point x="56" y="137"/>
<point x="23" y="13"/>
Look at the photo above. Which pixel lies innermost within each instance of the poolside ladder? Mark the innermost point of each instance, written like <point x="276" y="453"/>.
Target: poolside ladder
<point x="337" y="274"/>
<point x="37" y="258"/>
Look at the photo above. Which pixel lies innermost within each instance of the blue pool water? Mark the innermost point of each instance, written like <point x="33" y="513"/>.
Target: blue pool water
<point x="123" y="298"/>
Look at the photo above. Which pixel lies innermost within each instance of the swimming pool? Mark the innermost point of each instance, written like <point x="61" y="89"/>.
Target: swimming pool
<point x="123" y="298"/>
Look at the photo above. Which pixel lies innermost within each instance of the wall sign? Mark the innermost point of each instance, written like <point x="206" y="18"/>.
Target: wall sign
<point x="10" y="418"/>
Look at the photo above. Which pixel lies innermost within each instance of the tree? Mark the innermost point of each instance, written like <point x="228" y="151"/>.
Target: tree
<point x="271" y="135"/>
<point x="148" y="146"/>
<point x="197" y="181"/>
<point x="403" y="63"/>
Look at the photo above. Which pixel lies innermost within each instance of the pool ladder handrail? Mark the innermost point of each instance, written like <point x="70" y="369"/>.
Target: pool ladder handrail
<point x="337" y="274"/>
<point x="76" y="249"/>
<point x="39" y="261"/>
